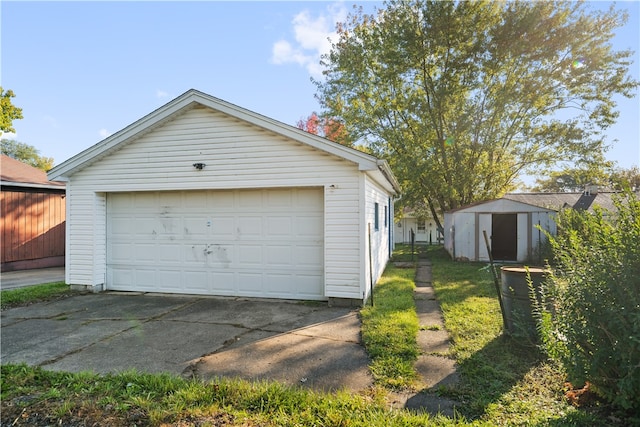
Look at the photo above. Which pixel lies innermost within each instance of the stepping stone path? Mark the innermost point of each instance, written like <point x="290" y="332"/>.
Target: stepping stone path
<point x="435" y="368"/>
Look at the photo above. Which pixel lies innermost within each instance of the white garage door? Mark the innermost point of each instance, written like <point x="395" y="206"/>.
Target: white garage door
<point x="261" y="243"/>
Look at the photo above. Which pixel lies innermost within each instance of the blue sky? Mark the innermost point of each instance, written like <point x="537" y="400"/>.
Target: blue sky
<point x="84" y="70"/>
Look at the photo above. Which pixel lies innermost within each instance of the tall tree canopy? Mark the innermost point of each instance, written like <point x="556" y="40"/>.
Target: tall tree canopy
<point x="463" y="97"/>
<point x="9" y="111"/>
<point x="26" y="154"/>
<point x="575" y="180"/>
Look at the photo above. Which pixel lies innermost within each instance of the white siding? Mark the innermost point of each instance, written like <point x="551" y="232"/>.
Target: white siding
<point x="484" y="221"/>
<point x="464" y="235"/>
<point x="380" y="236"/>
<point x="523" y="243"/>
<point x="237" y="155"/>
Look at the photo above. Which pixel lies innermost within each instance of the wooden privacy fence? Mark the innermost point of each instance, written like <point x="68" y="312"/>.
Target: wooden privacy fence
<point x="33" y="228"/>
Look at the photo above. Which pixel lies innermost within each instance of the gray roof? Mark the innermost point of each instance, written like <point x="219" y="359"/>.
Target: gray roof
<point x="557" y="201"/>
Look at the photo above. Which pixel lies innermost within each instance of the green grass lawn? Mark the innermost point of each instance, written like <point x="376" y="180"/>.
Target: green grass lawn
<point x="16" y="297"/>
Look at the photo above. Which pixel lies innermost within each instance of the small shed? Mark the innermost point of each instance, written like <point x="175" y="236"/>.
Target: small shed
<point x="204" y="197"/>
<point x="513" y="224"/>
<point x="32" y="223"/>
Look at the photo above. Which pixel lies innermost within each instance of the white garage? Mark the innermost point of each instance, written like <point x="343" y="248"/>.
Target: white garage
<point x="204" y="197"/>
<point x="260" y="243"/>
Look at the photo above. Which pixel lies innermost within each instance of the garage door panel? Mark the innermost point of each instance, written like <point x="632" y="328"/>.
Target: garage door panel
<point x="169" y="279"/>
<point x="308" y="200"/>
<point x="122" y="252"/>
<point x="265" y="243"/>
<point x="223" y="227"/>
<point x="279" y="255"/>
<point x="249" y="284"/>
<point x="146" y="279"/>
<point x="279" y="199"/>
<point x="308" y="255"/>
<point x="122" y="278"/>
<point x="248" y="227"/>
<point x="280" y="284"/>
<point x="223" y="283"/>
<point x="196" y="228"/>
<point x="308" y="226"/>
<point x="250" y="255"/>
<point x="195" y="282"/>
<point x="308" y="285"/>
<point x="145" y="253"/>
<point x="279" y="227"/>
<point x="121" y="225"/>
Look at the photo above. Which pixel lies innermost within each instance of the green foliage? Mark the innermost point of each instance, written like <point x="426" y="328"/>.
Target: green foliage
<point x="389" y="329"/>
<point x="26" y="153"/>
<point x="601" y="174"/>
<point x="9" y="111"/>
<point x="462" y="97"/>
<point x="593" y="328"/>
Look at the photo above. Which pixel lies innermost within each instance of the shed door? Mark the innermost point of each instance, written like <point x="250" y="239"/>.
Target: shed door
<point x="260" y="243"/>
<point x="504" y="236"/>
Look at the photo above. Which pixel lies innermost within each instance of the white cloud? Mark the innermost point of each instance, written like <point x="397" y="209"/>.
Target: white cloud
<point x="313" y="36"/>
<point x="161" y="94"/>
<point x="104" y="133"/>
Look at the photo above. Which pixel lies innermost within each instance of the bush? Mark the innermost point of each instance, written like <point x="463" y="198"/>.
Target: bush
<point x="593" y="326"/>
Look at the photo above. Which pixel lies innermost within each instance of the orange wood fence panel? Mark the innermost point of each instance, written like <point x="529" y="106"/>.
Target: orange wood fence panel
<point x="32" y="225"/>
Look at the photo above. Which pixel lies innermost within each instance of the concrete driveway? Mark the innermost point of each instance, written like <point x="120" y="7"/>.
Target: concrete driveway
<point x="309" y="345"/>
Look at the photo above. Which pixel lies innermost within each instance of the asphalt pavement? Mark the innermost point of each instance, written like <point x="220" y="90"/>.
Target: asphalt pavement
<point x="305" y="344"/>
<point x="22" y="278"/>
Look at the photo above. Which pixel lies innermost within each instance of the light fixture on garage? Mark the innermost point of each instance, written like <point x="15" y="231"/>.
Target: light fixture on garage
<point x="199" y="166"/>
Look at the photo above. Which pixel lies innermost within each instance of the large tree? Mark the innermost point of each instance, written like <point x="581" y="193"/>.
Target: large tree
<point x="9" y="111"/>
<point x="26" y="154"/>
<point x="463" y="97"/>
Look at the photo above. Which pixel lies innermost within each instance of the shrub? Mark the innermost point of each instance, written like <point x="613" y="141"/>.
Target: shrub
<point x="593" y="326"/>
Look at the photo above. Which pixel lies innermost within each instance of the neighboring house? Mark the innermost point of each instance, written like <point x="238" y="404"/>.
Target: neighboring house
<point x="32" y="222"/>
<point x="513" y="224"/>
<point x="204" y="197"/>
<point x="424" y="230"/>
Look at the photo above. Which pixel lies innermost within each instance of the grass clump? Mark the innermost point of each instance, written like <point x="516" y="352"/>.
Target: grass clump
<point x="21" y="296"/>
<point x="389" y="329"/>
<point x="33" y="396"/>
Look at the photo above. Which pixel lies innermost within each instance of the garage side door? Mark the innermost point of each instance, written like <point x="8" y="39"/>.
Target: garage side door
<point x="259" y="243"/>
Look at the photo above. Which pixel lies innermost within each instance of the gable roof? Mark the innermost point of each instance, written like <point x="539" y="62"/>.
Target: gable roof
<point x="378" y="169"/>
<point x="557" y="201"/>
<point x="554" y="201"/>
<point x="18" y="174"/>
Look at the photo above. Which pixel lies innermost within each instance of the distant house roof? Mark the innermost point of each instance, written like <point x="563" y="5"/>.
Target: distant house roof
<point x="557" y="201"/>
<point x="17" y="174"/>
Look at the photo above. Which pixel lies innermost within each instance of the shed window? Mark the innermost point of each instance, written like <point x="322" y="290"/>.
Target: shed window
<point x="376" y="217"/>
